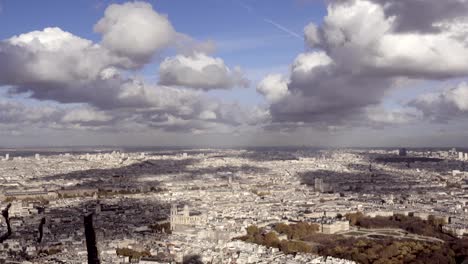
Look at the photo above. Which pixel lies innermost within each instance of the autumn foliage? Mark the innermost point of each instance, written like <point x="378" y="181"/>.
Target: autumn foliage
<point x="303" y="237"/>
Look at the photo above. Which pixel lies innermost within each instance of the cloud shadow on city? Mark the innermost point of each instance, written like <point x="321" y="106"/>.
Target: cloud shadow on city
<point x="147" y="174"/>
<point x="362" y="181"/>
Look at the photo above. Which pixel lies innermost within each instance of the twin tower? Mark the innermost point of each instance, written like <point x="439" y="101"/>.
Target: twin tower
<point x="182" y="219"/>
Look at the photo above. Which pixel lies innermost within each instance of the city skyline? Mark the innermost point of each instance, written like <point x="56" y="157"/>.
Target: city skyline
<point x="354" y="73"/>
<point x="329" y="206"/>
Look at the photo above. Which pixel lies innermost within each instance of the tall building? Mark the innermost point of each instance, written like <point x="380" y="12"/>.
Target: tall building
<point x="37" y="156"/>
<point x="461" y="155"/>
<point x="184" y="218"/>
<point x="318" y="186"/>
<point x="402" y="152"/>
<point x="7" y="156"/>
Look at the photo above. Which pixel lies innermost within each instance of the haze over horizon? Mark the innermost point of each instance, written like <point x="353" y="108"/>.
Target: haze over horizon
<point x="361" y="73"/>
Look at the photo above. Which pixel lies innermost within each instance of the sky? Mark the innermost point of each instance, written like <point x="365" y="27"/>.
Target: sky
<point x="338" y="73"/>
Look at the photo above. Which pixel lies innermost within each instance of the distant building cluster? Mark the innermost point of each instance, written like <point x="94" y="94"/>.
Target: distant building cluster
<point x="173" y="205"/>
<point x="463" y="156"/>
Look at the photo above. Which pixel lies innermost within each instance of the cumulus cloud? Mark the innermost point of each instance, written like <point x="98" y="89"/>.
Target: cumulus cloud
<point x="319" y="93"/>
<point x="201" y="117"/>
<point x="445" y="105"/>
<point x="135" y="30"/>
<point x="359" y="36"/>
<point x="410" y="18"/>
<point x="200" y="71"/>
<point x="85" y="115"/>
<point x="312" y="35"/>
<point x="379" y="116"/>
<point x="15" y="113"/>
<point x="17" y="116"/>
<point x="353" y="60"/>
<point x="52" y="56"/>
<point x="274" y="87"/>
<point x="55" y="65"/>
<point x="357" y="54"/>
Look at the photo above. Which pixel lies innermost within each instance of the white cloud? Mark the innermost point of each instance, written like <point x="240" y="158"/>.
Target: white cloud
<point x="207" y="115"/>
<point x="362" y="51"/>
<point x="444" y="105"/>
<point x="359" y="36"/>
<point x="312" y="35"/>
<point x="307" y="62"/>
<point x="55" y="65"/>
<point x="85" y="115"/>
<point x="409" y="18"/>
<point x="52" y="55"/>
<point x="135" y="30"/>
<point x="274" y="87"/>
<point x="17" y="114"/>
<point x="352" y="62"/>
<point x="200" y="71"/>
<point x="459" y="96"/>
<point x="379" y="115"/>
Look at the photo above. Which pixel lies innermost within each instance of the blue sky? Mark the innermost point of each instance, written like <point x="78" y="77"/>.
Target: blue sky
<point x="225" y="21"/>
<point x="372" y="71"/>
<point x="238" y="28"/>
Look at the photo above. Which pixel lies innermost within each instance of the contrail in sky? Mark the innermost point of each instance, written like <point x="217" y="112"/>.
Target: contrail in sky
<point x="283" y="28"/>
<point x="269" y="21"/>
<point x="245" y="6"/>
